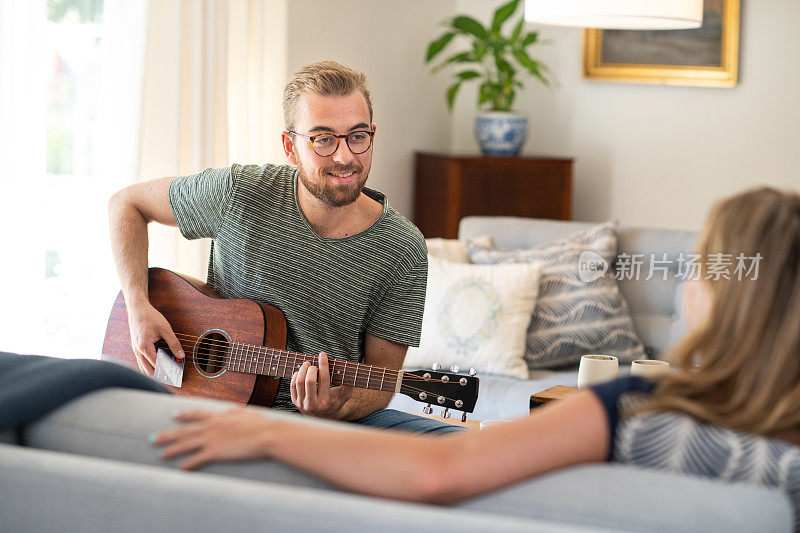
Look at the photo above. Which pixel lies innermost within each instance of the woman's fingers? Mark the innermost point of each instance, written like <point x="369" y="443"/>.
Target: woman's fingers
<point x="192" y="415"/>
<point x="196" y="460"/>
<point x="183" y="446"/>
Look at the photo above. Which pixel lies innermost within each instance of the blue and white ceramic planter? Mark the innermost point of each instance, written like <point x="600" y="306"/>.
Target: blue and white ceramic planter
<point x="501" y="133"/>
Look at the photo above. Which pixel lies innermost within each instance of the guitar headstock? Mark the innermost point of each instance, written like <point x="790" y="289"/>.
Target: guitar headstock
<point x="449" y="390"/>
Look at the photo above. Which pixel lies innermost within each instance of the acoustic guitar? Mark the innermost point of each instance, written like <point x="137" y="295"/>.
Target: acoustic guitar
<point x="235" y="351"/>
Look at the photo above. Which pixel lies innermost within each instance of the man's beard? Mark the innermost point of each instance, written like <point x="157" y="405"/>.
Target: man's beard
<point x="331" y="194"/>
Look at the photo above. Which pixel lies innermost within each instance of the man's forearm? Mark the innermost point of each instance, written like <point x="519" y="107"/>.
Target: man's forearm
<point x="363" y="402"/>
<point x="129" y="245"/>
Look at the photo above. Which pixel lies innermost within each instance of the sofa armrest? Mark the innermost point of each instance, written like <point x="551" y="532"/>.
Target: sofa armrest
<point x="629" y="498"/>
<point x="52" y="491"/>
<point x="114" y="424"/>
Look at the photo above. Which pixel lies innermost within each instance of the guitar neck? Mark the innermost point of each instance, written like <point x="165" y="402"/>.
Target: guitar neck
<point x="273" y="362"/>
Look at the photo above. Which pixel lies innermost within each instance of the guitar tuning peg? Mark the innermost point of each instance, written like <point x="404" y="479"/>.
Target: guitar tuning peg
<point x="472" y="371"/>
<point x="454" y="369"/>
<point x="435" y="366"/>
<point x="464" y="416"/>
<point x="446" y="412"/>
<point x="427" y="409"/>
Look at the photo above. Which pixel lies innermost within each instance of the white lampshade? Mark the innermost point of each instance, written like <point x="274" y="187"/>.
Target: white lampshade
<point x="617" y="14"/>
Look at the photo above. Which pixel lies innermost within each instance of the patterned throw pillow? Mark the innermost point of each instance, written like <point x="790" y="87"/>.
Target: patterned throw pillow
<point x="476" y="316"/>
<point x="573" y="317"/>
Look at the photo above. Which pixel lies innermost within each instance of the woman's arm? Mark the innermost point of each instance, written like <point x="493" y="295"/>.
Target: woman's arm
<point x="399" y="465"/>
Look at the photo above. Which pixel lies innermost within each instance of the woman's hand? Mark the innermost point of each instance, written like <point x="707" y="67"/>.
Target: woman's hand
<point x="236" y="435"/>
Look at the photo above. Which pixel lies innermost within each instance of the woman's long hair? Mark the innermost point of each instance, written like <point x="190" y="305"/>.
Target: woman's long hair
<point x="748" y="347"/>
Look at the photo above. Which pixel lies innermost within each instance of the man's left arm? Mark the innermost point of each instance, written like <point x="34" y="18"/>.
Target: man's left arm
<point x="312" y="394"/>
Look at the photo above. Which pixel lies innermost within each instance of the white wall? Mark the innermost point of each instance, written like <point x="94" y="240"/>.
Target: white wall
<point x="655" y="155"/>
<point x="387" y="41"/>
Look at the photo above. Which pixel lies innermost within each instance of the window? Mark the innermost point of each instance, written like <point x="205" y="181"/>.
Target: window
<point x="62" y="239"/>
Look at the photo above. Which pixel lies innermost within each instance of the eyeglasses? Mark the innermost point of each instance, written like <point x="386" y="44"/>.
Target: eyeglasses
<point x="326" y="144"/>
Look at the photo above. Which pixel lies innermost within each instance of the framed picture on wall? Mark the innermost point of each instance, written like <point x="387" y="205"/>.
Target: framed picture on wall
<point x="706" y="56"/>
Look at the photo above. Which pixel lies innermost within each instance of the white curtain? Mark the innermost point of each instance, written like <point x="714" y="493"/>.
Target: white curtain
<point x="22" y="83"/>
<point x="257" y="73"/>
<point x="183" y="85"/>
<point x="63" y="215"/>
<point x="214" y="73"/>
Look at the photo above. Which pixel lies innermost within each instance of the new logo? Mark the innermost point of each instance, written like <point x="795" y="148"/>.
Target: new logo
<point x="591" y="266"/>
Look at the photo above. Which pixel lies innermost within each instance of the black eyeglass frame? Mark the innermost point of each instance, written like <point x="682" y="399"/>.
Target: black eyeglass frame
<point x="339" y="138"/>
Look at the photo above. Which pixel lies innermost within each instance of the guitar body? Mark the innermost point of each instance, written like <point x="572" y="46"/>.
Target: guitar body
<point x="203" y="322"/>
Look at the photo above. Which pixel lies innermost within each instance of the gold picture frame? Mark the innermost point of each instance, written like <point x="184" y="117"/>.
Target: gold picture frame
<point x="723" y="27"/>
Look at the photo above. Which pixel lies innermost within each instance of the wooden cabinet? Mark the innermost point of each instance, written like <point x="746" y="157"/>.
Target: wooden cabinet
<point x="448" y="188"/>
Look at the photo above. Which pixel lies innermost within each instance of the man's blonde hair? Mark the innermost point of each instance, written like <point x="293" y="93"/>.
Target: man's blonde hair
<point x="325" y="78"/>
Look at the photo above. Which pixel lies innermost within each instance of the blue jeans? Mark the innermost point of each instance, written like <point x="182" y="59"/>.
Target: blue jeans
<point x="394" y="419"/>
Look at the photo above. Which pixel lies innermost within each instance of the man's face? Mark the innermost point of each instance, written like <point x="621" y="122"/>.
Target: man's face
<point x="336" y="180"/>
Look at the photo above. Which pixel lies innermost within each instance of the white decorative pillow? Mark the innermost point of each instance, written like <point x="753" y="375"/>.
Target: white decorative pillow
<point x="573" y="316"/>
<point x="476" y="316"/>
<point x="451" y="250"/>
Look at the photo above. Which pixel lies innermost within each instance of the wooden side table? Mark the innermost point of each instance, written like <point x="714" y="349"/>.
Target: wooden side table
<point x="448" y="188"/>
<point x="559" y="392"/>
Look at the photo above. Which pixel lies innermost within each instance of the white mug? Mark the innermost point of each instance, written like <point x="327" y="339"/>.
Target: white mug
<point x="649" y="368"/>
<point x="489" y="423"/>
<point x="597" y="369"/>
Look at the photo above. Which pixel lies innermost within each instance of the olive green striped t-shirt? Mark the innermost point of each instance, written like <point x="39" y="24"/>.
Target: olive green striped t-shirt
<point x="331" y="291"/>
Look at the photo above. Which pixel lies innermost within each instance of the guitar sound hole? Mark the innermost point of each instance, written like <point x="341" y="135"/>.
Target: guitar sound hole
<point x="212" y="352"/>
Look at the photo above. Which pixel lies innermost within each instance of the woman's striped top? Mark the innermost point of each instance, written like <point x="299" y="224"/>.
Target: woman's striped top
<point x="680" y="443"/>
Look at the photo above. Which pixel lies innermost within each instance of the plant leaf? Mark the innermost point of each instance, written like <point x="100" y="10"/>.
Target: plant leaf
<point x="532" y="66"/>
<point x="498" y="43"/>
<point x="438" y="45"/>
<point x="484" y="93"/>
<point x="471" y="26"/>
<point x="504" y="66"/>
<point x="468" y="75"/>
<point x="510" y="99"/>
<point x="517" y="32"/>
<point x="502" y="14"/>
<point x="530" y="38"/>
<point x="451" y="94"/>
<point x="461" y="57"/>
<point x="480" y="48"/>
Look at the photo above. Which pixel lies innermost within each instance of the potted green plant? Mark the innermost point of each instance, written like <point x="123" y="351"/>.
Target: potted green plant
<point x="496" y="61"/>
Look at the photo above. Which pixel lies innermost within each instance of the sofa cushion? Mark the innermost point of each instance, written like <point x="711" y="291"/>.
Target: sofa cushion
<point x="476" y="316"/>
<point x="654" y="303"/>
<point x="451" y="250"/>
<point x="46" y="491"/>
<point x="578" y="311"/>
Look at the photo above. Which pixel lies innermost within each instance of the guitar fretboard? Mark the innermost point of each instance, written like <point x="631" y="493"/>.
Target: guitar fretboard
<point x="273" y="362"/>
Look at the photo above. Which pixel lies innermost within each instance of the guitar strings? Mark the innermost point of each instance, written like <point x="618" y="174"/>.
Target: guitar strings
<point x="282" y="355"/>
<point x="277" y="358"/>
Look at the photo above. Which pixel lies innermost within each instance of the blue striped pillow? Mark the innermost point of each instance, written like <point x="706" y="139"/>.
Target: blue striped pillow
<point x="572" y="317"/>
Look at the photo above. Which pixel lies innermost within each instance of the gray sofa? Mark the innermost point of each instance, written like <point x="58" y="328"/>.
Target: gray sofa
<point x="655" y="303"/>
<point x="88" y="467"/>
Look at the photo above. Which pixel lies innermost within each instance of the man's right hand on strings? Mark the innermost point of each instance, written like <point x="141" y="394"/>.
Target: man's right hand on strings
<point x="148" y="326"/>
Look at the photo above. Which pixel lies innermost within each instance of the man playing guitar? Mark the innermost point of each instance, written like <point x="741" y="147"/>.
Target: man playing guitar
<point x="347" y="270"/>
